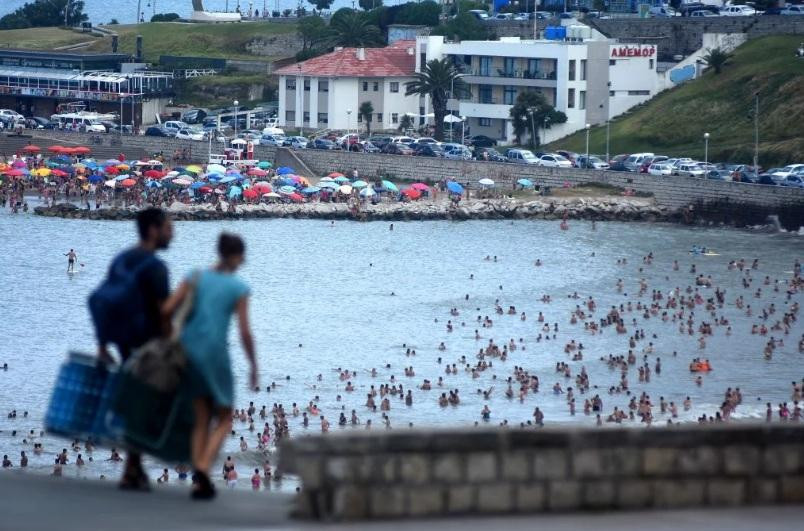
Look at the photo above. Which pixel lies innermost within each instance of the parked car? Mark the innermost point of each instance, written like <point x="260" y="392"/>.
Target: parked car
<point x="718" y="175"/>
<point x="481" y="141"/>
<point x="323" y="143"/>
<point x="660" y="169"/>
<point x="503" y="16"/>
<point x="521" y="156"/>
<point x="617" y="163"/>
<point x="569" y="155"/>
<point x="174" y="126"/>
<point x="744" y="175"/>
<point x="488" y="154"/>
<point x="635" y="160"/>
<point x="594" y="163"/>
<point x="397" y="148"/>
<point x="479" y="14"/>
<point x="403" y="140"/>
<point x="689" y="170"/>
<point x="793" y="10"/>
<point x="295" y="142"/>
<point x="664" y="11"/>
<point x="738" y="11"/>
<point x="702" y="13"/>
<point x="380" y="140"/>
<point x="190" y="134"/>
<point x="456" y="151"/>
<point x="194" y="116"/>
<point x="554" y="160"/>
<point x="38" y="122"/>
<point x="767" y="179"/>
<point x="272" y="140"/>
<point x="428" y="150"/>
<point x="791" y="169"/>
<point x="427" y="140"/>
<point x="793" y="180"/>
<point x="368" y="147"/>
<point x="157" y="130"/>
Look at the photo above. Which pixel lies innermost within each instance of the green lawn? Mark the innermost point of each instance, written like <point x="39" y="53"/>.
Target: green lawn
<point x="41" y="38"/>
<point x="674" y="122"/>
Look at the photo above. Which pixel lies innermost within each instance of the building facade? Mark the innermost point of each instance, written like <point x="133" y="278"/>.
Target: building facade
<point x="590" y="79"/>
<point x="326" y="92"/>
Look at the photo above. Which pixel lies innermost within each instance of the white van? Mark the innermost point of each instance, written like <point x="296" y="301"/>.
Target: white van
<point x="634" y="161"/>
<point x="521" y="156"/>
<point x="81" y="121"/>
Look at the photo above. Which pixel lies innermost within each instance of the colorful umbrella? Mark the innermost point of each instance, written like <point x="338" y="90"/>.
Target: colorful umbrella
<point x="420" y="187"/>
<point x="182" y="182"/>
<point x="128" y="183"/>
<point x="14" y="173"/>
<point x="412" y="193"/>
<point x="216" y="168"/>
<point x="335" y="174"/>
<point x="345" y="189"/>
<point x="250" y="194"/>
<point x="287" y="190"/>
<point x="111" y="183"/>
<point x="59" y="173"/>
<point x="389" y="186"/>
<point x="311" y="190"/>
<point x="42" y="172"/>
<point x="341" y="179"/>
<point x="95" y="179"/>
<point x="56" y="149"/>
<point x="284" y="170"/>
<point x="367" y="192"/>
<point x="525" y="182"/>
<point x="296" y="197"/>
<point x="81" y="150"/>
<point x="262" y="188"/>
<point x="454" y="187"/>
<point x="264" y="165"/>
<point x="359" y="184"/>
<point x="256" y="172"/>
<point x="486" y="182"/>
<point x="30" y="148"/>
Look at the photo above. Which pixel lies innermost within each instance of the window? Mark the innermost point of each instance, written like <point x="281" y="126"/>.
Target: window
<point x="612" y="93"/>
<point x="376" y="86"/>
<point x="323" y="86"/>
<point x="365" y="86"/>
<point x="612" y="62"/>
<point x="421" y="115"/>
<point x="290" y="84"/>
<point x="394" y="86"/>
<point x="639" y="93"/>
<point x="306" y="117"/>
<point x="290" y="116"/>
<point x="650" y="64"/>
<point x="394" y="118"/>
<point x="533" y="67"/>
<point x="323" y="118"/>
<point x="572" y="70"/>
<point x="571" y="98"/>
<point x="484" y="122"/>
<point x="508" y="66"/>
<point x="306" y="85"/>
<point x="359" y="118"/>
<point x="422" y="59"/>
<point x="583" y="69"/>
<point x="509" y="95"/>
<point x="467" y="60"/>
<point x="485" y="65"/>
<point x="484" y="93"/>
<point x="582" y="100"/>
<point x="379" y="117"/>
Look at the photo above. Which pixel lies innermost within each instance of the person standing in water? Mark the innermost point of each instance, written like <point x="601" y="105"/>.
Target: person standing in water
<point x="217" y="295"/>
<point x="71" y="259"/>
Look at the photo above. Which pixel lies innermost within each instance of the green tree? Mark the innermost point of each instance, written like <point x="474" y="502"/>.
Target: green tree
<point x="406" y="122"/>
<point x="366" y="111"/>
<point x="42" y="13"/>
<point x="352" y="29"/>
<point x="368" y="5"/>
<point x="716" y="58"/>
<point x="531" y="111"/>
<point x="321" y="5"/>
<point x="315" y="34"/>
<point x="464" y="27"/>
<point x="436" y="79"/>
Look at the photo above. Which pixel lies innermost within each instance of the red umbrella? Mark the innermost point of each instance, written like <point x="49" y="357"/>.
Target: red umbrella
<point x="262" y="188"/>
<point x="205" y="189"/>
<point x="154" y="174"/>
<point x="59" y="173"/>
<point x="412" y="193"/>
<point x="256" y="172"/>
<point x="251" y="194"/>
<point x="56" y="149"/>
<point x="128" y="183"/>
<point x="81" y="150"/>
<point x="295" y="197"/>
<point x="67" y="150"/>
<point x="14" y="173"/>
<point x="111" y="170"/>
<point x="30" y="148"/>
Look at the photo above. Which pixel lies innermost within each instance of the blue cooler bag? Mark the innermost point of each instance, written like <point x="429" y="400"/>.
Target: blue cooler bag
<point x="80" y="406"/>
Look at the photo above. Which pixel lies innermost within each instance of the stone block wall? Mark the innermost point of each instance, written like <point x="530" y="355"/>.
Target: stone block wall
<point x="364" y="475"/>
<point x="672" y="192"/>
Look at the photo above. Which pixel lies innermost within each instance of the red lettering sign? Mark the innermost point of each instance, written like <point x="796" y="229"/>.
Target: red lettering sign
<point x="624" y="51"/>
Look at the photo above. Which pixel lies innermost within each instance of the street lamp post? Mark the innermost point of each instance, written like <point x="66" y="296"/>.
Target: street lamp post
<point x="532" y="111"/>
<point x="235" y="103"/>
<point x="608" y="136"/>
<point x="706" y="149"/>
<point x="348" y="129"/>
<point x="586" y="160"/>
<point x="756" y="132"/>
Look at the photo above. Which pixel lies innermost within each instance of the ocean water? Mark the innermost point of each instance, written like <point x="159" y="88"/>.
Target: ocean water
<point x="125" y="11"/>
<point x="356" y="295"/>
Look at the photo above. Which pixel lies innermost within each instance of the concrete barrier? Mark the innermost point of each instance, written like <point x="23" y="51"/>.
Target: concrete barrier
<point x="364" y="475"/>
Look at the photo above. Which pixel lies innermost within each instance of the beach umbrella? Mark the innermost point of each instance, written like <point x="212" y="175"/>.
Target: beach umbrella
<point x="251" y="194"/>
<point x="122" y="177"/>
<point x="328" y="184"/>
<point x="81" y="150"/>
<point x="197" y="185"/>
<point x="111" y="170"/>
<point x="19" y="163"/>
<point x="42" y="172"/>
<point x="525" y="182"/>
<point x="95" y="179"/>
<point x="335" y="174"/>
<point x="256" y="172"/>
<point x="359" y="184"/>
<point x="59" y="173"/>
<point x="345" y="189"/>
<point x="264" y="165"/>
<point x="122" y="167"/>
<point x="154" y="174"/>
<point x="56" y="149"/>
<point x="272" y="195"/>
<point x="228" y="179"/>
<point x="367" y="192"/>
<point x="303" y="180"/>
<point x="454" y="187"/>
<point x="486" y="182"/>
<point x="235" y="191"/>
<point x="286" y="182"/>
<point x="412" y="193"/>
<point x="153" y="184"/>
<point x="128" y="183"/>
<point x="205" y="189"/>
<point x="341" y="179"/>
<point x="194" y="168"/>
<point x="216" y="168"/>
<point x="327" y="179"/>
<point x="30" y="148"/>
<point x="14" y="173"/>
<point x="389" y="186"/>
<point x="285" y="170"/>
<point x="420" y="187"/>
<point x="181" y="181"/>
<point x="311" y="190"/>
<point x="111" y="183"/>
<point x="287" y="190"/>
<point x="295" y="197"/>
<point x="262" y="188"/>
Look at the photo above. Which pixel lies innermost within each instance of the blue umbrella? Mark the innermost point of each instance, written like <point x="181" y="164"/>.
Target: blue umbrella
<point x="228" y="179"/>
<point x="328" y="184"/>
<point x="235" y="191"/>
<point x="155" y="184"/>
<point x="94" y="178"/>
<point x="197" y="185"/>
<point x="341" y="179"/>
<point x="286" y="182"/>
<point x="287" y="190"/>
<point x="391" y="187"/>
<point x="284" y="170"/>
<point x="454" y="187"/>
<point x="311" y="190"/>
<point x="525" y="182"/>
<point x="359" y="184"/>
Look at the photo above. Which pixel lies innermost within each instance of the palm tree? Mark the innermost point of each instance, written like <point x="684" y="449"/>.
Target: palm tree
<point x="717" y="58"/>
<point x="436" y="79"/>
<point x="365" y="110"/>
<point x="352" y="29"/>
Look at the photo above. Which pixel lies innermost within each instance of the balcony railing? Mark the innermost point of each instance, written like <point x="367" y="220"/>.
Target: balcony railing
<point x="512" y="74"/>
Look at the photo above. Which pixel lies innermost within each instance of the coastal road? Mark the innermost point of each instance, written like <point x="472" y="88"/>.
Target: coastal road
<point x="39" y="503"/>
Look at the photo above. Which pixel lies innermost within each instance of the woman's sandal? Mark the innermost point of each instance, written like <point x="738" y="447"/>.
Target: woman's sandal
<point x="202" y="489"/>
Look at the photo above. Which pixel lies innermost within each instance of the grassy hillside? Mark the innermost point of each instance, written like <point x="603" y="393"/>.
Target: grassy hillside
<point x="198" y="40"/>
<point x="674" y="122"/>
<point x="42" y="38"/>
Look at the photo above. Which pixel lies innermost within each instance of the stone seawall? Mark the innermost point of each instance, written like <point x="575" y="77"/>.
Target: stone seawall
<point x="671" y="192"/>
<point x="365" y="475"/>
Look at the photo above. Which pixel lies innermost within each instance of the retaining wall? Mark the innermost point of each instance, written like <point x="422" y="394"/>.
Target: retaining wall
<point x="673" y="192"/>
<point x="364" y="475"/>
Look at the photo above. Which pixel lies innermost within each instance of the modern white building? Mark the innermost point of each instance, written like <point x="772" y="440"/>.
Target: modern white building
<point x="326" y="92"/>
<point x="588" y="77"/>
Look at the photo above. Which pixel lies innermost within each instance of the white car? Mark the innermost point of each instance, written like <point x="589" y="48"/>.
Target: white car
<point x="660" y="169"/>
<point x="174" y="126"/>
<point x="792" y="169"/>
<point x="272" y="140"/>
<point x="689" y="170"/>
<point x="554" y="161"/>
<point x="457" y="152"/>
<point x="190" y="134"/>
<point x="521" y="156"/>
<point x="738" y="11"/>
<point x="702" y="13"/>
<point x="793" y="10"/>
<point x="296" y="142"/>
<point x="663" y="11"/>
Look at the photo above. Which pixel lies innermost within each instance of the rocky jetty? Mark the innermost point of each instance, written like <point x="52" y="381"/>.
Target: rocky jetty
<point x="601" y="209"/>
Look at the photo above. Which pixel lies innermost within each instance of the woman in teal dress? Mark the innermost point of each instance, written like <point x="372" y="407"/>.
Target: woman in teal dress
<point x="217" y="295"/>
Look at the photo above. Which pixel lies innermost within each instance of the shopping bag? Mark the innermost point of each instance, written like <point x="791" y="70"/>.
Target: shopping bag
<point x="80" y="403"/>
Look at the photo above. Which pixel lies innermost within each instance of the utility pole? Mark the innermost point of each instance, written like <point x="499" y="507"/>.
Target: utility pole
<point x="139" y="6"/>
<point x="66" y="10"/>
<point x="756" y="132"/>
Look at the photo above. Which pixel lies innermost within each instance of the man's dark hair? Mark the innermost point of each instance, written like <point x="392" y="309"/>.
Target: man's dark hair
<point x="150" y="217"/>
<point x="230" y="245"/>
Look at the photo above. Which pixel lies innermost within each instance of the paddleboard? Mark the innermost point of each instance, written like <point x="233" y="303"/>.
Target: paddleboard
<point x="711" y="254"/>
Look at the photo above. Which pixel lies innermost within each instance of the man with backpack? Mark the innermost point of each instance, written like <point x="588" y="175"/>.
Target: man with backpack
<point x="127" y="307"/>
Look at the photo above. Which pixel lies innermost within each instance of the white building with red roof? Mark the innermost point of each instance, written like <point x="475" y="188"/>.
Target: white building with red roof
<point x="326" y="92"/>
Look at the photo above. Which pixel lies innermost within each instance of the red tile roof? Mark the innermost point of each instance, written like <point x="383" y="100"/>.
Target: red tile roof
<point x="396" y="60"/>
